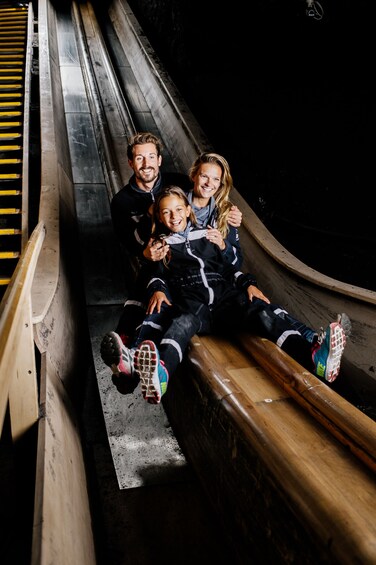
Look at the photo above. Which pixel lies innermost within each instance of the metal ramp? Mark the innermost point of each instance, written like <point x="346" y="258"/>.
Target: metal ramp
<point x="13" y="216"/>
<point x="144" y="449"/>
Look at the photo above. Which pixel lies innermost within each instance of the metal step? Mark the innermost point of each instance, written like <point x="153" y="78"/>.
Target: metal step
<point x="13" y="43"/>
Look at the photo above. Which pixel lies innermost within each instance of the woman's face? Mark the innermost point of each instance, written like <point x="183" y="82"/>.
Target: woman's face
<point x="173" y="213"/>
<point x="207" y="180"/>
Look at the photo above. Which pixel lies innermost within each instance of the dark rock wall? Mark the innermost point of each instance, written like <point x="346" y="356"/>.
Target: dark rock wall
<point x="287" y="98"/>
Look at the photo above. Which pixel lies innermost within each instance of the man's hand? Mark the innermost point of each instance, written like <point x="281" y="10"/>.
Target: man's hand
<point x="156" y="249"/>
<point x="234" y="217"/>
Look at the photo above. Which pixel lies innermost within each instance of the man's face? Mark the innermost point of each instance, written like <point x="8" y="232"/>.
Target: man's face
<point x="145" y="164"/>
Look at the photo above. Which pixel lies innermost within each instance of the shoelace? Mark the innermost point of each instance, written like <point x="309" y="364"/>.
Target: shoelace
<point x="345" y="323"/>
<point x="321" y="336"/>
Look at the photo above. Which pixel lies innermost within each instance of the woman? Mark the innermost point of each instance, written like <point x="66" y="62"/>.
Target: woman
<point x="210" y="201"/>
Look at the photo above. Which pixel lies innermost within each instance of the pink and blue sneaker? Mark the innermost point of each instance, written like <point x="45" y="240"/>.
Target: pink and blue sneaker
<point x="152" y="372"/>
<point x="327" y="351"/>
<point x="116" y="355"/>
<point x="120" y="359"/>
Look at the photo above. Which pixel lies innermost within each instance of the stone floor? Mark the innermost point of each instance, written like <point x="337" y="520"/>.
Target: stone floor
<point x="148" y="505"/>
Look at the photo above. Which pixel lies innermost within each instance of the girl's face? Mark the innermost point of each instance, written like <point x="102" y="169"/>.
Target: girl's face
<point x="207" y="181"/>
<point x="173" y="213"/>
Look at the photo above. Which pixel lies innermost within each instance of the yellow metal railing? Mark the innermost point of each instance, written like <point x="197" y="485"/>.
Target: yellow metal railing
<point x="13" y="51"/>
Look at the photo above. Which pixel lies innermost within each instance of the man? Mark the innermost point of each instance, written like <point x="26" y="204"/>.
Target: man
<point x="131" y="219"/>
<point x="130" y="206"/>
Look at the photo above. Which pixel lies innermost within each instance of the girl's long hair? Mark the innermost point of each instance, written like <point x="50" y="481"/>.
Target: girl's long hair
<point x="222" y="195"/>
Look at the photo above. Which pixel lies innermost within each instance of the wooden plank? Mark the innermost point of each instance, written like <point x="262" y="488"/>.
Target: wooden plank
<point x="17" y="358"/>
<point x="248" y="439"/>
<point x="23" y="390"/>
<point x="47" y="273"/>
<point x="348" y="424"/>
<point x="62" y="531"/>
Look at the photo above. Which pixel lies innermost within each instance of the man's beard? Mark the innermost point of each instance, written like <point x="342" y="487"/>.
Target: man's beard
<point x="147" y="176"/>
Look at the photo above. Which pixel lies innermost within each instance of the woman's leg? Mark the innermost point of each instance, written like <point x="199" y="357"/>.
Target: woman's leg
<point x="308" y="333"/>
<point x="323" y="357"/>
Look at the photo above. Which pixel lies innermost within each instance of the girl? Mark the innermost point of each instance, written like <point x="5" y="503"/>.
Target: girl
<point x="209" y="295"/>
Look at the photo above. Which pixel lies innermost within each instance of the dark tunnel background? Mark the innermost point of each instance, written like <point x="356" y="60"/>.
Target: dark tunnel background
<point x="285" y="92"/>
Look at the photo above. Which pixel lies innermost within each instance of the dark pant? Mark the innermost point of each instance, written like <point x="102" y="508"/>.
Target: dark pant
<point x="257" y="317"/>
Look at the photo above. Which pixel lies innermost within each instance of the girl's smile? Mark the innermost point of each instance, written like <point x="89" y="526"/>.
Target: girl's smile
<point x="173" y="213"/>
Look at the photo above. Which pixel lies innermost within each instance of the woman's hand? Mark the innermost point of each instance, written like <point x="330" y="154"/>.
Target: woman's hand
<point x="254" y="292"/>
<point x="156" y="301"/>
<point x="215" y="236"/>
<point x="156" y="249"/>
<point x="234" y="217"/>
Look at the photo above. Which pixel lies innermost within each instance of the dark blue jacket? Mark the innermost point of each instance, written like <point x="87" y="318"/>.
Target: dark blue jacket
<point x="197" y="272"/>
<point x="129" y="208"/>
<point x="132" y="224"/>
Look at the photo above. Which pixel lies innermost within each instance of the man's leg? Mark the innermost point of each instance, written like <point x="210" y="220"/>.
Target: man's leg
<point x="130" y="320"/>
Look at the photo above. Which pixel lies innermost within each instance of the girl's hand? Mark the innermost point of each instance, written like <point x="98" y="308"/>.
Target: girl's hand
<point x="254" y="292"/>
<point x="234" y="217"/>
<point x="214" y="236"/>
<point x="156" y="301"/>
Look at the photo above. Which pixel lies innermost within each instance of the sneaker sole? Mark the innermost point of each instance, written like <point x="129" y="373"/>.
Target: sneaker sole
<point x="337" y="345"/>
<point x="112" y="354"/>
<point x="146" y="366"/>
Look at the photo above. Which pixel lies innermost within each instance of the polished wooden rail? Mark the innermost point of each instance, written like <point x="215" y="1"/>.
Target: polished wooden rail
<point x="17" y="357"/>
<point x="345" y="422"/>
<point x="285" y="485"/>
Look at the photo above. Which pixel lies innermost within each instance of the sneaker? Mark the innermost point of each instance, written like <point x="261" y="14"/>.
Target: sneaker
<point x="152" y="372"/>
<point x="116" y="355"/>
<point x="345" y="322"/>
<point x="327" y="352"/>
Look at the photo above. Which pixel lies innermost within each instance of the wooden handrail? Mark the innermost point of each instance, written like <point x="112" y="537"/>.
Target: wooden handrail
<point x="344" y="421"/>
<point x="18" y="382"/>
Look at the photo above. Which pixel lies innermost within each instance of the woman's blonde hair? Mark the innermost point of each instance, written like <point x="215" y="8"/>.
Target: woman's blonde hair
<point x="221" y="197"/>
